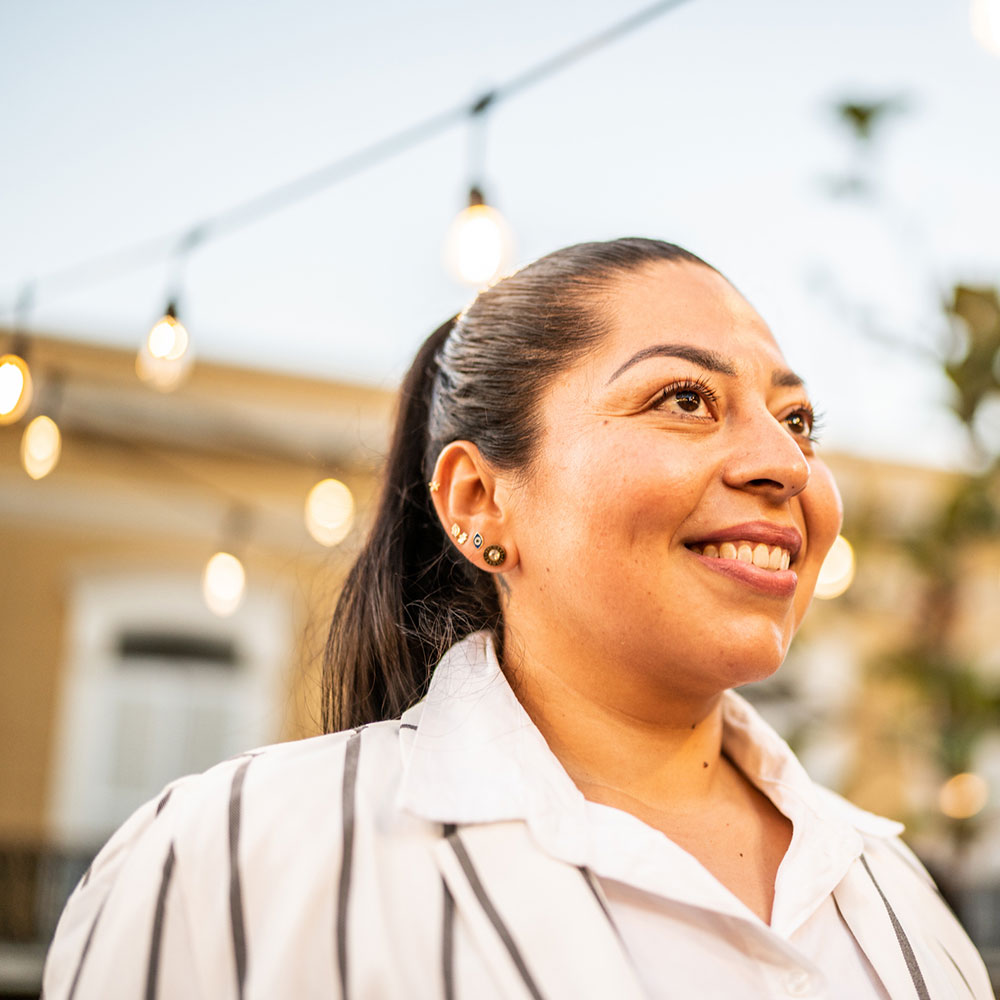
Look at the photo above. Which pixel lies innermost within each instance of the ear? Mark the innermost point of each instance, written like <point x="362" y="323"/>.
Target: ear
<point x="472" y="503"/>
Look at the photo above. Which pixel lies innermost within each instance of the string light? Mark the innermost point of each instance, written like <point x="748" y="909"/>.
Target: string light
<point x="165" y="358"/>
<point x="984" y="17"/>
<point x="41" y="445"/>
<point x="168" y="340"/>
<point x="329" y="512"/>
<point x="837" y="572"/>
<point x="15" y="388"/>
<point x="223" y="583"/>
<point x="963" y="795"/>
<point x="270" y="202"/>
<point x="478" y="245"/>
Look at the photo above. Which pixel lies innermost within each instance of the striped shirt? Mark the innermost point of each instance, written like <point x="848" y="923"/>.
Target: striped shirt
<point x="448" y="855"/>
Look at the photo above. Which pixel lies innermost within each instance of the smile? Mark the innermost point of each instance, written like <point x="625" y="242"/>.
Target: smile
<point x="769" y="557"/>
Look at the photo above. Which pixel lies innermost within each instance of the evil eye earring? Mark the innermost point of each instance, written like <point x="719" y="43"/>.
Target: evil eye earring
<point x="477" y="540"/>
<point x="494" y="555"/>
<point x="460" y="536"/>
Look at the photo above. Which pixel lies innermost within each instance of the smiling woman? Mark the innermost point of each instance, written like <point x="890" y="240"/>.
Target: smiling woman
<point x="603" y="510"/>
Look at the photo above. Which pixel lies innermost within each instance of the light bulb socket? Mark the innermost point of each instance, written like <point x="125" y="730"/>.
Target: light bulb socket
<point x="476" y="196"/>
<point x="171" y="310"/>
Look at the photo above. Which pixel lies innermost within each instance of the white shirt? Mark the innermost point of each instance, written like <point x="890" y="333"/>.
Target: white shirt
<point x="478" y="758"/>
<point x="448" y="855"/>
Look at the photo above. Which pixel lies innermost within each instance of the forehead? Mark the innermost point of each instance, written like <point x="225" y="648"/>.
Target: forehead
<point x="685" y="303"/>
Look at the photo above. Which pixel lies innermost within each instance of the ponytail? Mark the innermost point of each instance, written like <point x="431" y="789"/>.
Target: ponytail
<point x="409" y="596"/>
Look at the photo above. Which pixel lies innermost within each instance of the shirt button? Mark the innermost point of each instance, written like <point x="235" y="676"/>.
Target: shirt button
<point x="798" y="983"/>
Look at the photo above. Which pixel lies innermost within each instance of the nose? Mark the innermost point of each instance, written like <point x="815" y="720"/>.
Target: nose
<point x="766" y="460"/>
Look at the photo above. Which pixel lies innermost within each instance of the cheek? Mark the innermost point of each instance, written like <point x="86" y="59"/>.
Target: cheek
<point x="822" y="513"/>
<point x="822" y="507"/>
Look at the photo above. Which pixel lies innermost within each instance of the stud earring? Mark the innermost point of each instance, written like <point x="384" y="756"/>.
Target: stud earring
<point x="494" y="555"/>
<point x="460" y="536"/>
<point x="477" y="540"/>
<point x="434" y="486"/>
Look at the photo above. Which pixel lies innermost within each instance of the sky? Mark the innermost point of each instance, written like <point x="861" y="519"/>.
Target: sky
<point x="712" y="126"/>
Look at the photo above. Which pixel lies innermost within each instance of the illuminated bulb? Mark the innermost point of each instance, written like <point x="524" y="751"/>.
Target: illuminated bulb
<point x="329" y="511"/>
<point x="168" y="340"/>
<point x="477" y="247"/>
<point x="963" y="795"/>
<point x="41" y="444"/>
<point x="222" y="584"/>
<point x="837" y="572"/>
<point x="15" y="388"/>
<point x="984" y="16"/>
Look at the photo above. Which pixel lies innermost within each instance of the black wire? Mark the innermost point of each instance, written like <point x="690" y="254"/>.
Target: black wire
<point x="143" y="254"/>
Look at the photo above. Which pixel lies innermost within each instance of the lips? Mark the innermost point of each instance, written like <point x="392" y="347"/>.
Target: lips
<point x="757" y="554"/>
<point x="753" y="534"/>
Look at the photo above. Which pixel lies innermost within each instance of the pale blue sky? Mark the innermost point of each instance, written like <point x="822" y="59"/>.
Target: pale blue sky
<point x="710" y="127"/>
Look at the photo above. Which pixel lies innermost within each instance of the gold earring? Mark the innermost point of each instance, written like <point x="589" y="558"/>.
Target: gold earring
<point x="494" y="555"/>
<point x="434" y="486"/>
<point x="460" y="536"/>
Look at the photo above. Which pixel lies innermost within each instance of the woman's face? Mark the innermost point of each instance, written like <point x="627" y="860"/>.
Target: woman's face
<point x="677" y="516"/>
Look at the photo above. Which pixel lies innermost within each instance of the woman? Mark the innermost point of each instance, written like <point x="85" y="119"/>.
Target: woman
<point x="603" y="511"/>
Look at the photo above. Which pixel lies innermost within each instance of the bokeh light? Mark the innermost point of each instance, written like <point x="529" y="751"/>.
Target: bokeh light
<point x="984" y="16"/>
<point x="223" y="583"/>
<point x="329" y="511"/>
<point x="168" y="340"/>
<point x="478" y="245"/>
<point x="837" y="572"/>
<point x="963" y="795"/>
<point x="41" y="445"/>
<point x="15" y="388"/>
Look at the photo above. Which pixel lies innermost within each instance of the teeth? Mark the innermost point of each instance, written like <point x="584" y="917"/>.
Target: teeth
<point x="759" y="555"/>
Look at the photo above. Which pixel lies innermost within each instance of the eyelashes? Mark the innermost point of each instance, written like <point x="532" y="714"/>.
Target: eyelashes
<point x="688" y="386"/>
<point x="690" y="394"/>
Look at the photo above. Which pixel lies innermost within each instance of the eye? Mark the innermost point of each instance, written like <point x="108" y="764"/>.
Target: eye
<point x="802" y="423"/>
<point x="689" y="396"/>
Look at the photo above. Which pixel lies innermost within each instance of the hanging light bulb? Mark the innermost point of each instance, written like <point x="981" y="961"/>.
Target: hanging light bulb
<point x="41" y="445"/>
<point x="165" y="358"/>
<point x="984" y="16"/>
<point x="223" y="583"/>
<point x="478" y="244"/>
<point x="15" y="388"/>
<point x="837" y="572"/>
<point x="329" y="511"/>
<point x="168" y="340"/>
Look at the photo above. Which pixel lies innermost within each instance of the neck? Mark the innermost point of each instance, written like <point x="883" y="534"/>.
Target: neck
<point x="620" y="746"/>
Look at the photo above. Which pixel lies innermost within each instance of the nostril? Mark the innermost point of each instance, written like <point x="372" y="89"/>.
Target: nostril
<point x="766" y="482"/>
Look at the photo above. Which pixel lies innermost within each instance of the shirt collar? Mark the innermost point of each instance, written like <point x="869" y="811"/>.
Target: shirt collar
<point x="471" y="754"/>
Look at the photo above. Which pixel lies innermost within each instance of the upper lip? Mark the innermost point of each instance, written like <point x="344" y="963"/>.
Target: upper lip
<point x="784" y="536"/>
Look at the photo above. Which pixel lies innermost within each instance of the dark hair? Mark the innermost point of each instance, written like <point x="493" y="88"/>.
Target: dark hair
<point x="410" y="595"/>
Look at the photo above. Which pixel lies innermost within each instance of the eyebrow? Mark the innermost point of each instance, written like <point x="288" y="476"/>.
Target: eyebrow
<point x="708" y="360"/>
<point x="696" y="355"/>
<point x="786" y="378"/>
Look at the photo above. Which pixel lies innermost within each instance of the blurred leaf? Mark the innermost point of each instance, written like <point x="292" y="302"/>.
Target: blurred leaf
<point x="975" y="375"/>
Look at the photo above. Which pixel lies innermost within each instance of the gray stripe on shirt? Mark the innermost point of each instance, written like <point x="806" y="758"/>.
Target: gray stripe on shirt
<point x="351" y="757"/>
<point x="904" y="942"/>
<point x="159" y="918"/>
<point x="491" y="911"/>
<point x="235" y="885"/>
